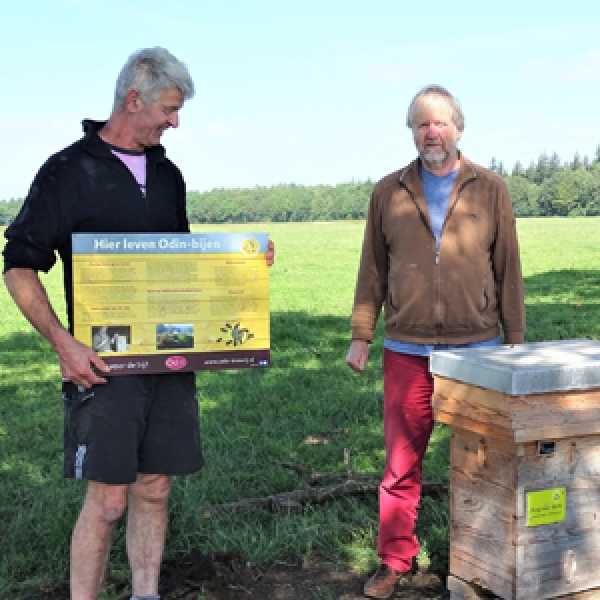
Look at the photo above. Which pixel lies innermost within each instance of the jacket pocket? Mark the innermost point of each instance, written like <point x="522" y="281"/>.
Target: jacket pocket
<point x="467" y="305"/>
<point x="409" y="305"/>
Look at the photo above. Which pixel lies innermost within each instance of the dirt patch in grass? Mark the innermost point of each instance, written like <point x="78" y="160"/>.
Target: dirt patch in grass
<point x="228" y="576"/>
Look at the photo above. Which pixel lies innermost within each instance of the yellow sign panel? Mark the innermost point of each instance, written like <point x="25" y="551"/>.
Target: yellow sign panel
<point x="546" y="506"/>
<point x="163" y="302"/>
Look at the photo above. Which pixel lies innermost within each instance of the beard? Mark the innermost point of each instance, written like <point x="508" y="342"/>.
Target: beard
<point x="434" y="158"/>
<point x="437" y="156"/>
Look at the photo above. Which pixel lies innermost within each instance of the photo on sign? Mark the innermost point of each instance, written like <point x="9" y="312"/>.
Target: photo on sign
<point x="174" y="336"/>
<point x="106" y="338"/>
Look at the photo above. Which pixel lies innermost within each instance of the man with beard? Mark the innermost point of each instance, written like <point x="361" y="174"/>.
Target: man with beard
<point x="441" y="255"/>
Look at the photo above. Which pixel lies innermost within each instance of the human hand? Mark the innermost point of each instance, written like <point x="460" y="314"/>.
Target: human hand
<point x="357" y="356"/>
<point x="78" y="363"/>
<point x="270" y="253"/>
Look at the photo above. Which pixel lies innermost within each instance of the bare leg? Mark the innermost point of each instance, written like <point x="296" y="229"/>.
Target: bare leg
<point x="90" y="543"/>
<point x="146" y="530"/>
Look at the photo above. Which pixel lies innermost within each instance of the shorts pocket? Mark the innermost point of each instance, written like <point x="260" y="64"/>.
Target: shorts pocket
<point x="74" y="398"/>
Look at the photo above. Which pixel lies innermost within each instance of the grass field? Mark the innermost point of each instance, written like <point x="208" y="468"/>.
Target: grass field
<point x="307" y="408"/>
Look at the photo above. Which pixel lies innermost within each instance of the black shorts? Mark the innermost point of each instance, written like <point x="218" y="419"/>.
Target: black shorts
<point x="132" y="424"/>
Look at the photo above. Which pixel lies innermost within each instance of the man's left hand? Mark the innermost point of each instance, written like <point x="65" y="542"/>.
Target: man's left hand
<point x="270" y="253"/>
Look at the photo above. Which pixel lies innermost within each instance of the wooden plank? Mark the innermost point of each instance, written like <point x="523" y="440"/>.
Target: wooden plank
<point x="556" y="432"/>
<point x="478" y="404"/>
<point x="493" y="554"/>
<point x="566" y="401"/>
<point x="467" y="567"/>
<point x="471" y="410"/>
<point x="451" y="388"/>
<point x="482" y="524"/>
<point x="520" y="436"/>
<point x="475" y="498"/>
<point x="530" y="417"/>
<point x="544" y="470"/>
<point x="463" y="590"/>
<point x="548" y="571"/>
<point x="499" y="464"/>
<point x="490" y="429"/>
<point x="482" y="498"/>
<point x="556" y="417"/>
<point x="584" y="595"/>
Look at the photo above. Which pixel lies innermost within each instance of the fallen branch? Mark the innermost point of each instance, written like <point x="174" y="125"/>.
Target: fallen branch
<point x="351" y="484"/>
<point x="314" y="477"/>
<point x="295" y="500"/>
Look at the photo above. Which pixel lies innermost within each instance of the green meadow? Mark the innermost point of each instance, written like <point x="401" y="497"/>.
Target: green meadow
<point x="307" y="408"/>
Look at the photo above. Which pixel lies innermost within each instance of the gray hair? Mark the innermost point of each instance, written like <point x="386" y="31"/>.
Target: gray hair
<point x="149" y="71"/>
<point x="458" y="118"/>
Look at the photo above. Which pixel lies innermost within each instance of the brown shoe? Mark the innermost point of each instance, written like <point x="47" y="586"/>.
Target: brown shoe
<point x="382" y="583"/>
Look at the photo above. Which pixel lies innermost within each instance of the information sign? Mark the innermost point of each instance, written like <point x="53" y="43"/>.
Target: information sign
<point x="155" y="303"/>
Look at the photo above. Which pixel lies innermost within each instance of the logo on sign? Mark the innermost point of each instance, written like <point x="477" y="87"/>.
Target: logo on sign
<point x="175" y="362"/>
<point x="250" y="247"/>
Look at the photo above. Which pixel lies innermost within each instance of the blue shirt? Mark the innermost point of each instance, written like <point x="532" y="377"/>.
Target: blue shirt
<point x="437" y="195"/>
<point x="426" y="349"/>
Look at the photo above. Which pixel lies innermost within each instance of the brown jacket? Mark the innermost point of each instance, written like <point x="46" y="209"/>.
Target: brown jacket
<point x="456" y="296"/>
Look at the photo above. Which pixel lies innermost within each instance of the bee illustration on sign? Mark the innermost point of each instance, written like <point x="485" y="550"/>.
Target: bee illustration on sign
<point x="236" y="335"/>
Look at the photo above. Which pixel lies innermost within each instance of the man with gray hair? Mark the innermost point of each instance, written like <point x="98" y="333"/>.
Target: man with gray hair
<point x="440" y="254"/>
<point x="126" y="435"/>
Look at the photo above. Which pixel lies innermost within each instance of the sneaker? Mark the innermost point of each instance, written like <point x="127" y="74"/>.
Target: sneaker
<point x="382" y="583"/>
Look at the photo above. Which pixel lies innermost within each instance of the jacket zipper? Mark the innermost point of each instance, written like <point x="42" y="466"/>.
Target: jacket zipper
<point x="437" y="285"/>
<point x="436" y="275"/>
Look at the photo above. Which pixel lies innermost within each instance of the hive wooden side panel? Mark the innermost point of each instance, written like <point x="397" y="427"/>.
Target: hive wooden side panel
<point x="494" y="466"/>
<point x="482" y="506"/>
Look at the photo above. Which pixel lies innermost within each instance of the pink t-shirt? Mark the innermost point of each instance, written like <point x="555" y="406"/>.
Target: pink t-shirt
<point x="136" y="163"/>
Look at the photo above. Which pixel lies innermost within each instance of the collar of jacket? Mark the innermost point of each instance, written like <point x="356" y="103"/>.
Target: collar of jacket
<point x="410" y="176"/>
<point x="410" y="179"/>
<point x="96" y="146"/>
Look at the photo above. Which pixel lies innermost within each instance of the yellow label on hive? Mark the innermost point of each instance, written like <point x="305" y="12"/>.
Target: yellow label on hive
<point x="546" y="506"/>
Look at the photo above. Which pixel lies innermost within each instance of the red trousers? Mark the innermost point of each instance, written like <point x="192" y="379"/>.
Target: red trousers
<point x="407" y="423"/>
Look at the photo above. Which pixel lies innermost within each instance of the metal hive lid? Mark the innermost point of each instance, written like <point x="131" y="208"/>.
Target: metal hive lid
<point x="523" y="368"/>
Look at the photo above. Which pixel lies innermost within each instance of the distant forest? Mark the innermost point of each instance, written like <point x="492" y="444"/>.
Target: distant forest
<point x="546" y="188"/>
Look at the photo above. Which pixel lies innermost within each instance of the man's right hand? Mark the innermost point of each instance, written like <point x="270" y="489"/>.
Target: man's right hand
<point x="358" y="355"/>
<point x="78" y="363"/>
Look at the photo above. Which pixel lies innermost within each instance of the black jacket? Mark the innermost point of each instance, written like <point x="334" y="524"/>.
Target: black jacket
<point x="87" y="189"/>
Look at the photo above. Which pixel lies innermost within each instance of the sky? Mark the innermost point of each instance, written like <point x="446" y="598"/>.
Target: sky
<point x="307" y="92"/>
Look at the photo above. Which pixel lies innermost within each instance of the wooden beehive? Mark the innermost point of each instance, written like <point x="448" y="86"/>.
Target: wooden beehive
<point x="524" y="468"/>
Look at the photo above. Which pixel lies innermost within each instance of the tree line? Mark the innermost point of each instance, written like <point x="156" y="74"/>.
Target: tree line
<point x="550" y="188"/>
<point x="545" y="188"/>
